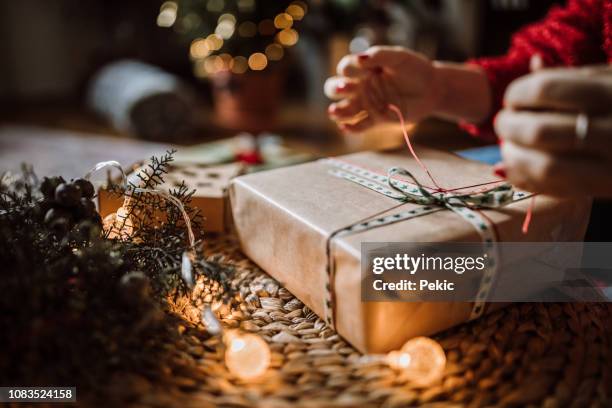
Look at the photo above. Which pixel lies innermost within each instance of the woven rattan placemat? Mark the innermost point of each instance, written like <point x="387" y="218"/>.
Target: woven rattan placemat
<point x="549" y="355"/>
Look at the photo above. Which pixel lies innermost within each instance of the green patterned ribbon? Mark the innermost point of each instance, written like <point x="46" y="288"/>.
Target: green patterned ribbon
<point x="431" y="201"/>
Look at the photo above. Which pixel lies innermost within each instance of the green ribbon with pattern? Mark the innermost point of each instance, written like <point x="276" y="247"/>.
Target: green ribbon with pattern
<point x="431" y="200"/>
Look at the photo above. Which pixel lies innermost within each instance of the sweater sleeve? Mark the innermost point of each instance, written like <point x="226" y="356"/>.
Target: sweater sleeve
<point x="567" y="36"/>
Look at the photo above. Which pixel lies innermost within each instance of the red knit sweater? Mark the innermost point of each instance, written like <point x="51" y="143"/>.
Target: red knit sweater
<point x="578" y="34"/>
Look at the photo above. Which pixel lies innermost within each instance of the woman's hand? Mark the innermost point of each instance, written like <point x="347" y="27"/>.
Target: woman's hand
<point x="542" y="149"/>
<point x="367" y="83"/>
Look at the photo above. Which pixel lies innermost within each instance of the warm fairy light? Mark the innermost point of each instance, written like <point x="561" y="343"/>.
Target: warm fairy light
<point x="258" y="61"/>
<point x="288" y="37"/>
<point x="191" y="21"/>
<point x="226" y="60"/>
<point x="283" y="20"/>
<point x="296" y="11"/>
<point x="239" y="65"/>
<point x="247" y="29"/>
<point x="214" y="42"/>
<point x="167" y="14"/>
<point x="421" y="359"/>
<point x="199" y="68"/>
<point x="203" y="50"/>
<point x="301" y="4"/>
<point x="199" y="49"/>
<point x="226" y="17"/>
<point x="246" y="6"/>
<point x="247" y="356"/>
<point x="226" y="26"/>
<point x="266" y="27"/>
<point x="274" y="52"/>
<point x="119" y="224"/>
<point x="213" y="64"/>
<point x="215" y="6"/>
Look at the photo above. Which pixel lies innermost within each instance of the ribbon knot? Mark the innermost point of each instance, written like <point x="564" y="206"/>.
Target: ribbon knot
<point x="491" y="198"/>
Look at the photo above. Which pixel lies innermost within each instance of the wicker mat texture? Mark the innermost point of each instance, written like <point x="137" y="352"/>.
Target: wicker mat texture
<point x="526" y="355"/>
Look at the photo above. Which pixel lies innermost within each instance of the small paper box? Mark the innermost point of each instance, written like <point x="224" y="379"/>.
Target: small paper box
<point x="209" y="182"/>
<point x="284" y="219"/>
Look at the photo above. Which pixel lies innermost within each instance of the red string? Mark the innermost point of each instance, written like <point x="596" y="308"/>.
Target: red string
<point x="528" y="216"/>
<point x="402" y="121"/>
<point x="399" y="114"/>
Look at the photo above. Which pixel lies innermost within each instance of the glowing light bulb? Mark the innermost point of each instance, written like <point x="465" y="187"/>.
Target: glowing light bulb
<point x="296" y="11"/>
<point x="421" y="359"/>
<point x="239" y="65"/>
<point x="118" y="225"/>
<point x="287" y="37"/>
<point x="199" y="48"/>
<point x="258" y="61"/>
<point x="283" y="20"/>
<point x="247" y="356"/>
<point x="274" y="52"/>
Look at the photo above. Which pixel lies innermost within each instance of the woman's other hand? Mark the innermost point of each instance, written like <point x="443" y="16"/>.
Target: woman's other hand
<point x="541" y="127"/>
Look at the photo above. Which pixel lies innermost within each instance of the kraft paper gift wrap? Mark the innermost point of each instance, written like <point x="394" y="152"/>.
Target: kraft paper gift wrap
<point x="284" y="218"/>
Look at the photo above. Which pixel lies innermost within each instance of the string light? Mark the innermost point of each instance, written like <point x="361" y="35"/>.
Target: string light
<point x="202" y="50"/>
<point x="118" y="225"/>
<point x="247" y="356"/>
<point x="239" y="65"/>
<point x="215" y="6"/>
<point x="214" y="42"/>
<point x="274" y="52"/>
<point x="422" y="360"/>
<point x="199" y="49"/>
<point x="167" y="14"/>
<point x="283" y="20"/>
<point x="258" y="61"/>
<point x="246" y="6"/>
<point x="296" y="11"/>
<point x="287" y="37"/>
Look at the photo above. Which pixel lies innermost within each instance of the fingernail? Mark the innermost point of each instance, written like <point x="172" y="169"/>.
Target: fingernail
<point x="363" y="57"/>
<point x="499" y="170"/>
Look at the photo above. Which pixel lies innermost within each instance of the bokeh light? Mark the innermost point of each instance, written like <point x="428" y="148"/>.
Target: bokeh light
<point x="246" y="6"/>
<point x="247" y="29"/>
<point x="283" y="20"/>
<point x="214" y="42"/>
<point x="167" y="14"/>
<point x="215" y="6"/>
<point x="258" y="61"/>
<point x="296" y="11"/>
<point x="199" y="48"/>
<point x="247" y="356"/>
<point x="239" y="65"/>
<point x="274" y="52"/>
<point x="287" y="37"/>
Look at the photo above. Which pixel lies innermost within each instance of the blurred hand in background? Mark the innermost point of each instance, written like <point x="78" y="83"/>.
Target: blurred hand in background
<point x="556" y="128"/>
<point x="367" y="83"/>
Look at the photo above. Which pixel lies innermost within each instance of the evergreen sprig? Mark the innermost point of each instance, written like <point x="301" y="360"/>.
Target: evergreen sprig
<point x="76" y="305"/>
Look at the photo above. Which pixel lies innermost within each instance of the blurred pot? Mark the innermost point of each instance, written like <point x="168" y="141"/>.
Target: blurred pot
<point x="248" y="101"/>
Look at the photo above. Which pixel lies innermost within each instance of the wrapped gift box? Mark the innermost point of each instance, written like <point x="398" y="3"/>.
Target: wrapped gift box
<point x="284" y="219"/>
<point x="210" y="183"/>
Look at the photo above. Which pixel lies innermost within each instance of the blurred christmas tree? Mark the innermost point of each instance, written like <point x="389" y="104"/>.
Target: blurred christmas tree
<point x="234" y="36"/>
